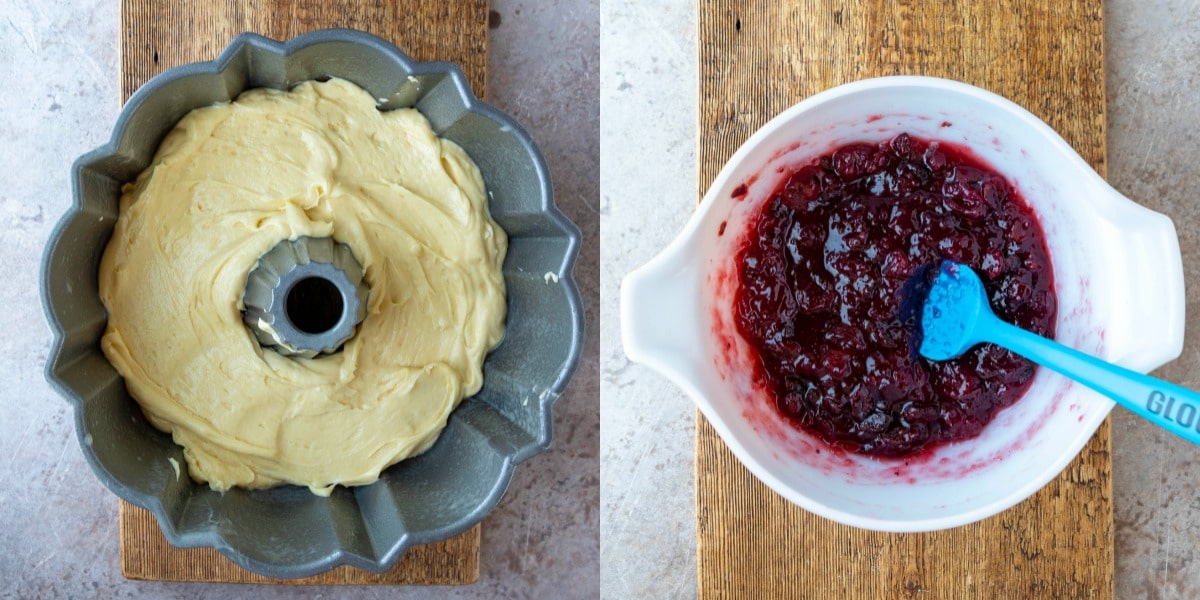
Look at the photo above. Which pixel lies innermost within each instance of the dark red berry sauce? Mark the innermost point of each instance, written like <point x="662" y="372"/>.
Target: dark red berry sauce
<point x="820" y="276"/>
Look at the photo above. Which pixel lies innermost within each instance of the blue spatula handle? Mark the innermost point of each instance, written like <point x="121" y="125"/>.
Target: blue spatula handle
<point x="1172" y="407"/>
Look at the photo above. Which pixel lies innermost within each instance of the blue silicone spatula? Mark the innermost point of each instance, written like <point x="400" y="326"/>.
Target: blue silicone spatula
<point x="956" y="316"/>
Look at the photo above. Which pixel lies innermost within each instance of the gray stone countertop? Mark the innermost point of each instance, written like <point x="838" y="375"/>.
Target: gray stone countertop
<point x="58" y="524"/>
<point x="648" y="191"/>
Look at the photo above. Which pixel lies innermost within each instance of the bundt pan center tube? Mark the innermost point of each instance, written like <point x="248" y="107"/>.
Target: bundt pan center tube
<point x="305" y="297"/>
<point x="287" y="531"/>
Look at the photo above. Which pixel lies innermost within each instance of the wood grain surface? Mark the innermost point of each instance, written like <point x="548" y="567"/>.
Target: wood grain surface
<point x="146" y="554"/>
<point x="159" y="34"/>
<point x="759" y="57"/>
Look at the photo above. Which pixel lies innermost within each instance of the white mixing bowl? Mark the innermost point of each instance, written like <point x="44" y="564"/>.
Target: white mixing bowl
<point x="1118" y="278"/>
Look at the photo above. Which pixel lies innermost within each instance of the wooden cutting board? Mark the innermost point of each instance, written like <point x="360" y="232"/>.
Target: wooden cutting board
<point x="757" y="58"/>
<point x="159" y="34"/>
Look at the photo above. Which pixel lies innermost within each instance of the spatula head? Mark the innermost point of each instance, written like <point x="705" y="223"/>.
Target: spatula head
<point x="952" y="311"/>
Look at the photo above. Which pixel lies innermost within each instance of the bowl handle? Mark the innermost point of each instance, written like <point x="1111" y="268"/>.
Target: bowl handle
<point x="660" y="315"/>
<point x="1149" y="317"/>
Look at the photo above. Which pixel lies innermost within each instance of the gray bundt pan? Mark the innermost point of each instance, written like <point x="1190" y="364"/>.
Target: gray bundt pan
<point x="287" y="531"/>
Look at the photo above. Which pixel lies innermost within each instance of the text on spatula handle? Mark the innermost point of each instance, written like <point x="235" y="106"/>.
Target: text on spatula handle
<point x="1162" y="404"/>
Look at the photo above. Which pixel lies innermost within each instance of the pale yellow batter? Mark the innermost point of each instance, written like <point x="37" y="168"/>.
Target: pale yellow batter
<point x="227" y="184"/>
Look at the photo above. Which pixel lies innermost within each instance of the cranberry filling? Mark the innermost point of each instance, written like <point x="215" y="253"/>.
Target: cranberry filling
<point x="820" y="276"/>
